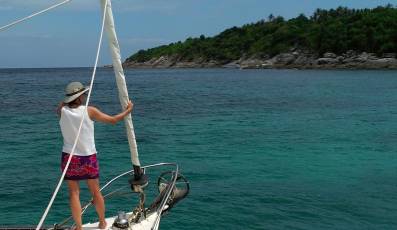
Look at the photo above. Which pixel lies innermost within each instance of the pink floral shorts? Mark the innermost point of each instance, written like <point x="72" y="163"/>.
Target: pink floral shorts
<point x="80" y="167"/>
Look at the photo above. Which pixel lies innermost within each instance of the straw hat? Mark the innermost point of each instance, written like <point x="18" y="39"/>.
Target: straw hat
<point x="74" y="90"/>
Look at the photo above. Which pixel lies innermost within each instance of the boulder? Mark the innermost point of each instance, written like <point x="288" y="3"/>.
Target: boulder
<point x="267" y="64"/>
<point x="232" y="65"/>
<point x="389" y="55"/>
<point x="284" y="58"/>
<point x="326" y="61"/>
<point x="382" y="63"/>
<point x="303" y="60"/>
<point x="251" y="63"/>
<point x="329" y="55"/>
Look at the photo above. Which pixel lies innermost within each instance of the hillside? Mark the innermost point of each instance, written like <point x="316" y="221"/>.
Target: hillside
<point x="342" y="37"/>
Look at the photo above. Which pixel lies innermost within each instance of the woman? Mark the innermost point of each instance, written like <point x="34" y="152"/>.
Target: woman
<point x="83" y="165"/>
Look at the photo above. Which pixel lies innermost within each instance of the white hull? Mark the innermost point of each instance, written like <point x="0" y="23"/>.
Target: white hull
<point x="146" y="224"/>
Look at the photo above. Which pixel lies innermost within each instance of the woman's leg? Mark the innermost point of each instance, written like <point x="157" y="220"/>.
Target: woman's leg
<point x="75" y="206"/>
<point x="93" y="185"/>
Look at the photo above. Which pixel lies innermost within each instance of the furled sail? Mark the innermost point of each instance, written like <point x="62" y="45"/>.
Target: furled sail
<point x="121" y="84"/>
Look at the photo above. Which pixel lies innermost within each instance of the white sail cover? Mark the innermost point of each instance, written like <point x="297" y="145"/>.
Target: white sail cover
<point x="120" y="78"/>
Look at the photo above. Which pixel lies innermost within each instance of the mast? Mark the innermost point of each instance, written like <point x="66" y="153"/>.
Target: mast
<point x="122" y="87"/>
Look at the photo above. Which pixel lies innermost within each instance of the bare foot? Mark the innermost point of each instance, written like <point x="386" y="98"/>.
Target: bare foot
<point x="77" y="228"/>
<point x="102" y="224"/>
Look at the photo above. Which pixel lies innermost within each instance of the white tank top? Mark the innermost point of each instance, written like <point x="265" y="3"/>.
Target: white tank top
<point x="70" y="122"/>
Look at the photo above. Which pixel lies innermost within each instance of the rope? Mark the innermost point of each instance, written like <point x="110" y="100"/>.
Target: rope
<point x="31" y="16"/>
<point x="81" y="123"/>
<point x="142" y="198"/>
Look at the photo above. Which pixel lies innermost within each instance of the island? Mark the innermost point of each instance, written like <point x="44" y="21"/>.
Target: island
<point x="339" y="38"/>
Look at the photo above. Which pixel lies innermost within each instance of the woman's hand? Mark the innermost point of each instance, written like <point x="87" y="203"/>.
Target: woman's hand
<point x="128" y="109"/>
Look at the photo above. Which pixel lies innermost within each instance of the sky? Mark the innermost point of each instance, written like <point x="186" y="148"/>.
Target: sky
<point x="68" y="36"/>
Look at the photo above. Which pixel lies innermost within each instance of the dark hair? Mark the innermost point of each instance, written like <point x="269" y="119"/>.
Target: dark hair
<point x="75" y="103"/>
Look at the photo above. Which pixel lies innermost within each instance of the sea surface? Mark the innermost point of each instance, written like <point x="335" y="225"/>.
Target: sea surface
<point x="262" y="149"/>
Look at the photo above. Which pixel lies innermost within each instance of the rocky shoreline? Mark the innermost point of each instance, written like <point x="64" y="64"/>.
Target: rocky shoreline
<point x="290" y="60"/>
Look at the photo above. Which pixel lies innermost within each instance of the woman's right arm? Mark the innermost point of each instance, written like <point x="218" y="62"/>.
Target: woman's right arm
<point x="59" y="108"/>
<point x="97" y="115"/>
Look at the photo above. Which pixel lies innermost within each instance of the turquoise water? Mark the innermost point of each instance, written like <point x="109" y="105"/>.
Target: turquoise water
<point x="263" y="149"/>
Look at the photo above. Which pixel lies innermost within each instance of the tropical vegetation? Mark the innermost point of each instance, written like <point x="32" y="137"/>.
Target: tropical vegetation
<point x="335" y="30"/>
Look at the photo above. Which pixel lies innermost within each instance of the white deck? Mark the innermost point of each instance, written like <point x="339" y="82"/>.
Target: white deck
<point x="146" y="224"/>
